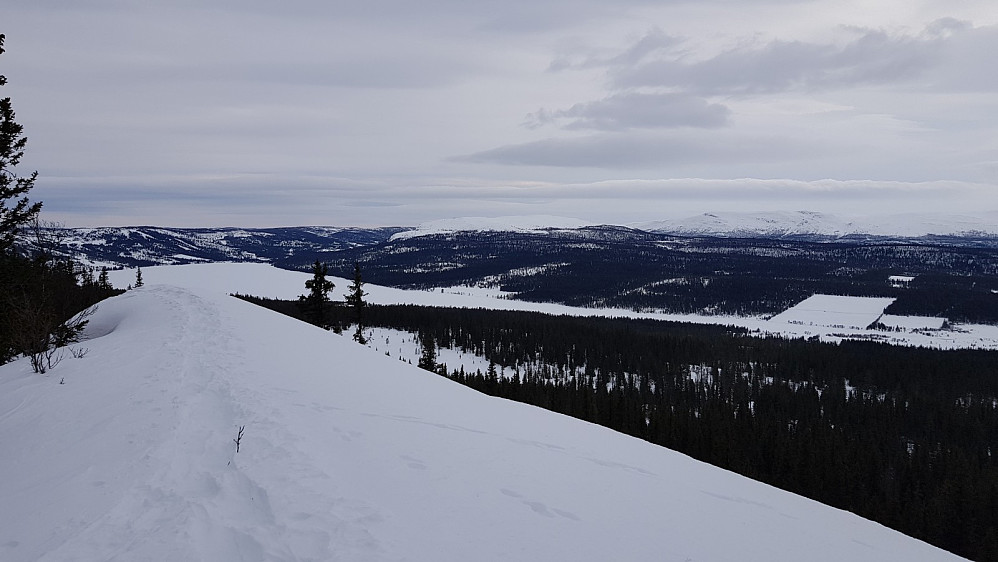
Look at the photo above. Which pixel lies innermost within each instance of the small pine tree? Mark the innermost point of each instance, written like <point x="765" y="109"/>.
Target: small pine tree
<point x="87" y="276"/>
<point x="138" y="277"/>
<point x="428" y="359"/>
<point x="358" y="335"/>
<point x="314" y="304"/>
<point x="355" y="300"/>
<point x="103" y="283"/>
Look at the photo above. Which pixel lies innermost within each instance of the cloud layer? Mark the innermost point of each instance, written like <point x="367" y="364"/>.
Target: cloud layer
<point x="393" y="112"/>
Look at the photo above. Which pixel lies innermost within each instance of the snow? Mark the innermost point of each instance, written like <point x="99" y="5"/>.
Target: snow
<point x="537" y="224"/>
<point x="404" y="346"/>
<point x="911" y="323"/>
<point x="128" y="454"/>
<point x="797" y="223"/>
<point x="835" y="311"/>
<point x="267" y="281"/>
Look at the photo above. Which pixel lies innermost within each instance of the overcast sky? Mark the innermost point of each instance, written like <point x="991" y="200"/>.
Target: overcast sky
<point x="394" y="112"/>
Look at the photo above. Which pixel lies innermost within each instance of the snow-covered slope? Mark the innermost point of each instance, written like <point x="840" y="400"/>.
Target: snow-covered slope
<point x="534" y="224"/>
<point x="777" y="224"/>
<point x="128" y="454"/>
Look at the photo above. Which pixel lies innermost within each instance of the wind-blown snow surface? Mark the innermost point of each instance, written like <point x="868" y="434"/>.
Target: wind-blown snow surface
<point x="350" y="455"/>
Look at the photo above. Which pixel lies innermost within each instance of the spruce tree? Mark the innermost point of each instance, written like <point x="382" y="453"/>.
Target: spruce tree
<point x="16" y="273"/>
<point x="355" y="300"/>
<point x="314" y="305"/>
<point x="103" y="282"/>
<point x="138" y="277"/>
<point x="15" y="209"/>
<point x="428" y="359"/>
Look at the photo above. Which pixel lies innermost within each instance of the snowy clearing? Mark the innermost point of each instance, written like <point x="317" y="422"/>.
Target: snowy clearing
<point x="912" y="323"/>
<point x="833" y="311"/>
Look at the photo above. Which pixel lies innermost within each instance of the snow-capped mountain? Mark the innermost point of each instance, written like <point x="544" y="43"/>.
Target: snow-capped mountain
<point x="810" y="224"/>
<point x="200" y="427"/>
<point x="537" y="224"/>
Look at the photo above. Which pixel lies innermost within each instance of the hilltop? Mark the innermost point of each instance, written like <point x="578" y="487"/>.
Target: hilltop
<point x="128" y="453"/>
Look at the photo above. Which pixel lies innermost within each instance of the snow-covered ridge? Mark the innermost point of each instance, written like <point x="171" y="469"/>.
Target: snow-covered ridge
<point x="778" y="224"/>
<point x="129" y="453"/>
<point x="533" y="224"/>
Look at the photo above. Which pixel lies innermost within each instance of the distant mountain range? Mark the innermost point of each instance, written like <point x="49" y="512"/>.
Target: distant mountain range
<point x="149" y="245"/>
<point x="741" y="264"/>
<point x="799" y="225"/>
<point x="809" y="225"/>
<point x="533" y="224"/>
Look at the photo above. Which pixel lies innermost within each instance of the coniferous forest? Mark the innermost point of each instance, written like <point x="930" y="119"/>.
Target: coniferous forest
<point x="903" y="436"/>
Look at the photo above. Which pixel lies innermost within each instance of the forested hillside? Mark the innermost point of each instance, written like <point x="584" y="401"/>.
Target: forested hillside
<point x="594" y="266"/>
<point x="618" y="267"/>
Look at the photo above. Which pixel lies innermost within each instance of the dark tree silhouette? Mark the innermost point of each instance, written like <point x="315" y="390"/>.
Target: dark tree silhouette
<point x="355" y="300"/>
<point x="428" y="359"/>
<point x="15" y="208"/>
<point x="315" y="304"/>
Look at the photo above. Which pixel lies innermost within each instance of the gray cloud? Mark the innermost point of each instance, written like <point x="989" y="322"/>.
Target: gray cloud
<point x="362" y="70"/>
<point x="968" y="65"/>
<point x="618" y="151"/>
<point x="202" y="202"/>
<point x="636" y="111"/>
<point x="310" y="111"/>
<point x="874" y="57"/>
<point x="654" y="41"/>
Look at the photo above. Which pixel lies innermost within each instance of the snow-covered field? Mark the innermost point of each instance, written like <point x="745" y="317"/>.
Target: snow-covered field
<point x="267" y="281"/>
<point x="912" y="323"/>
<point x="130" y="453"/>
<point x="834" y="311"/>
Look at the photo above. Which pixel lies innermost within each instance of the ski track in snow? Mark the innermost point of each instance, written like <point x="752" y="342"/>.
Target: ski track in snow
<point x="350" y="455"/>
